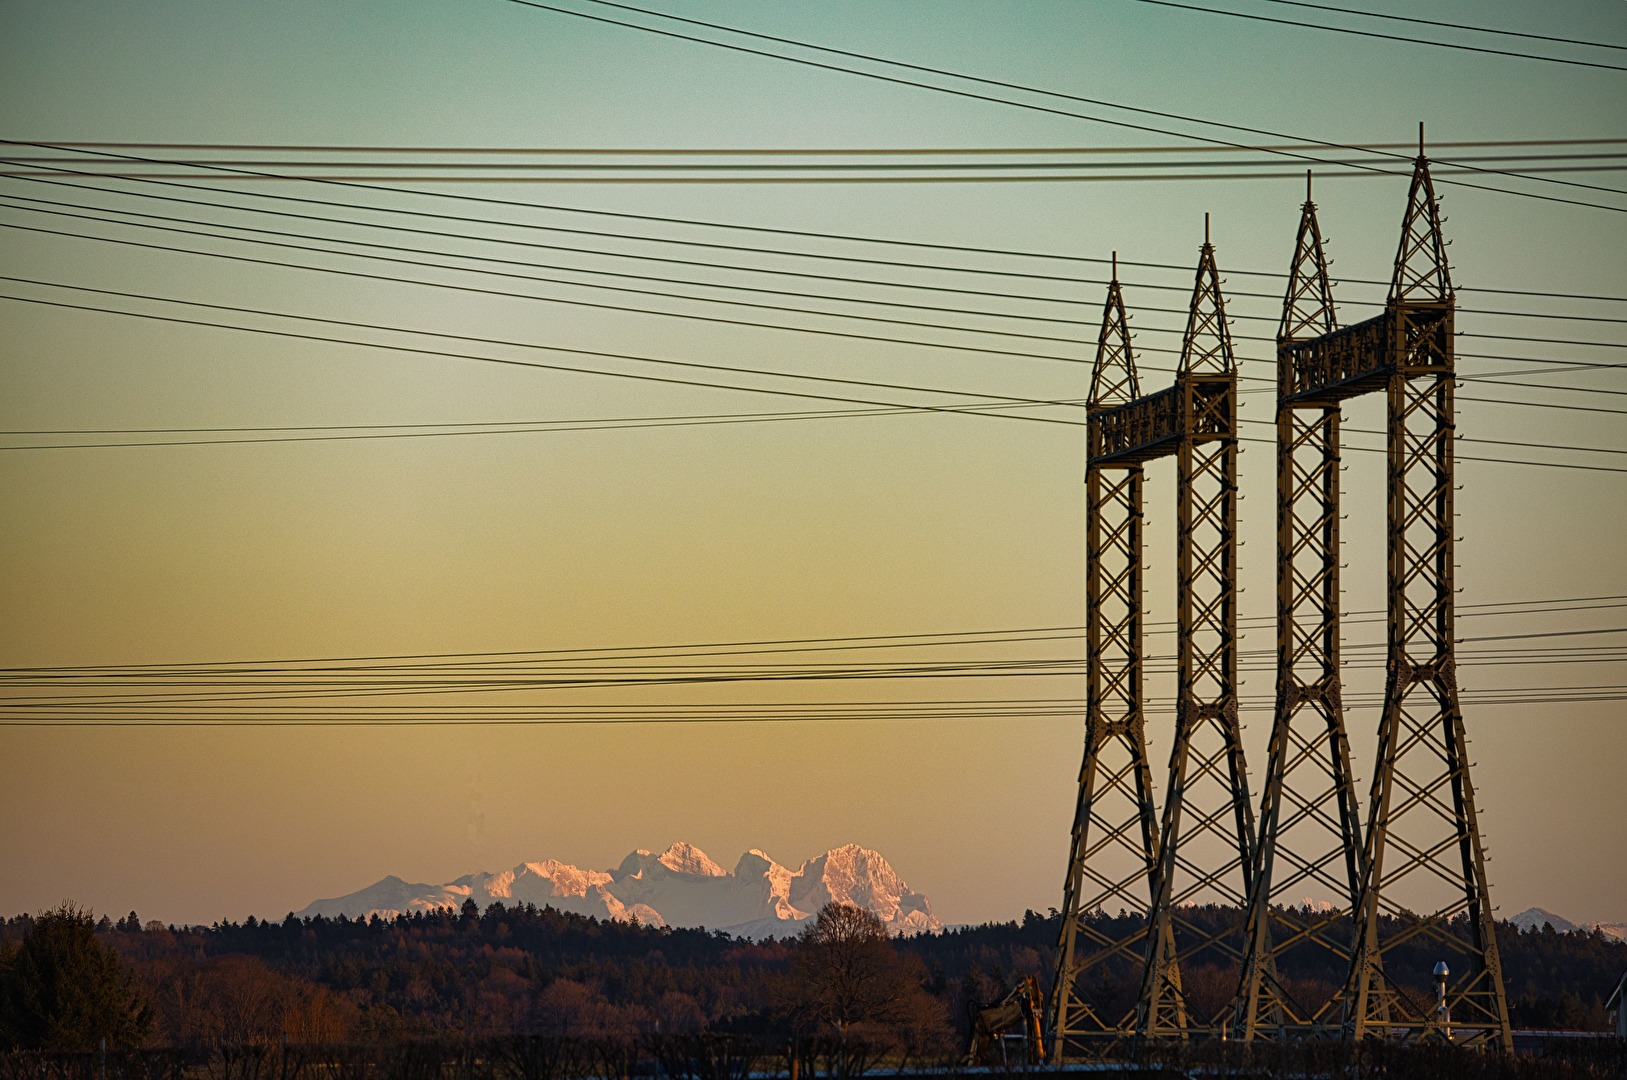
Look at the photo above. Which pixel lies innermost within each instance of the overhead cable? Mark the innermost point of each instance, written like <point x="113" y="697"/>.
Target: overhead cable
<point x="1031" y="106"/>
<point x="1412" y="40"/>
<point x="955" y="249"/>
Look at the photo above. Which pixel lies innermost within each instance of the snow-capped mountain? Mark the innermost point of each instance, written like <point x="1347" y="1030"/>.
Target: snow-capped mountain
<point x="681" y="886"/>
<point x="1534" y="918"/>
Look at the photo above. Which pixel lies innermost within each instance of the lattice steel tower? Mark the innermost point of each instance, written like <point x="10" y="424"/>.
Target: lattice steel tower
<point x="1201" y="850"/>
<point x="1421" y="825"/>
<point x="1207" y="830"/>
<point x="1310" y="834"/>
<point x="1115" y="839"/>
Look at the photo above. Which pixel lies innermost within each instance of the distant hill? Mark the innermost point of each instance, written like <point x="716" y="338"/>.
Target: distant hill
<point x="681" y="887"/>
<point x="1534" y="919"/>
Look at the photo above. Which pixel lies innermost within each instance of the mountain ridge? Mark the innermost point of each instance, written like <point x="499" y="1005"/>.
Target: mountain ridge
<point x="1535" y="918"/>
<point x="681" y="886"/>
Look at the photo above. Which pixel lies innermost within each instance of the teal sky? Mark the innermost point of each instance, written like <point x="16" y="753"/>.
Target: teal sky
<point x="885" y="525"/>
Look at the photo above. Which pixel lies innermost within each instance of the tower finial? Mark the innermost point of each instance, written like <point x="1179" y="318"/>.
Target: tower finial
<point x="1420" y="138"/>
<point x="1113" y="376"/>
<point x="1421" y="270"/>
<point x="1307" y="308"/>
<point x="1206" y="348"/>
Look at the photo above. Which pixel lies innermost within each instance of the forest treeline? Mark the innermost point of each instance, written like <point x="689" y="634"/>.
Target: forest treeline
<point x="521" y="970"/>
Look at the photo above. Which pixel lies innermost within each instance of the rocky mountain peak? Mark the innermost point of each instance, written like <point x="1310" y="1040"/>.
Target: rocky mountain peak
<point x="682" y="886"/>
<point x="686" y="858"/>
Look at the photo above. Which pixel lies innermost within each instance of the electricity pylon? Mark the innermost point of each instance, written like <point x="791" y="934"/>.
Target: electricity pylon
<point x="1207" y="830"/>
<point x="1310" y="834"/>
<point x="1422" y="833"/>
<point x="1115" y="825"/>
<point x="1421" y="815"/>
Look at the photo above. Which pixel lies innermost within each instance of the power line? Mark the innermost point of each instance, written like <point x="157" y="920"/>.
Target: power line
<point x="1517" y="377"/>
<point x="532" y="427"/>
<point x="731" y="287"/>
<point x="1006" y="85"/>
<point x="954" y="249"/>
<point x="1550" y="633"/>
<point x="1448" y="25"/>
<point x="998" y="83"/>
<point x="677" y="241"/>
<point x="534" y="364"/>
<point x="323" y="683"/>
<point x="368" y="432"/>
<point x="824" y="332"/>
<point x="813" y="644"/>
<point x="763" y="325"/>
<point x="1470" y="697"/>
<point x="1388" y="37"/>
<point x="559" y="428"/>
<point x="1544" y="405"/>
<point x="627" y="274"/>
<point x="1002" y="398"/>
<point x="978" y="635"/>
<point x="664" y="294"/>
<point x="668" y="294"/>
<point x="807" y="174"/>
<point x="534" y="715"/>
<point x="974" y="409"/>
<point x="536" y="245"/>
<point x="287" y="695"/>
<point x="274" y="695"/>
<point x="810" y="151"/>
<point x="1541" y="464"/>
<point x="30" y="165"/>
<point x="391" y="431"/>
<point x="317" y="684"/>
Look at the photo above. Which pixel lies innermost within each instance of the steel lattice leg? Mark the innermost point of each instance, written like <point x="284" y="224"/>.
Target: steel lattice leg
<point x="1207" y="831"/>
<point x="1422" y="823"/>
<point x="1310" y="835"/>
<point x="1115" y="825"/>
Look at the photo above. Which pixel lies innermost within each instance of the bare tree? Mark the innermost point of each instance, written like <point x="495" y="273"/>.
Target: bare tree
<point x="847" y="977"/>
<point x="845" y="969"/>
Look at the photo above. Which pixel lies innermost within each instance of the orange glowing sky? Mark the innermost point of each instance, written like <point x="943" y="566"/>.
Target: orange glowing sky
<point x="894" y="524"/>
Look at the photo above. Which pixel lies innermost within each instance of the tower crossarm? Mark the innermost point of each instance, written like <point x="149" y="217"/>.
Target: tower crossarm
<point x="1409" y="338"/>
<point x="1137" y="431"/>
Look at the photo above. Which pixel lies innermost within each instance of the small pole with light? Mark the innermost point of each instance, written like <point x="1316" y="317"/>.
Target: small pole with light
<point x="1443" y="1012"/>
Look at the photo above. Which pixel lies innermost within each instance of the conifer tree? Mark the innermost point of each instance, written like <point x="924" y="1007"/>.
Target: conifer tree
<point x="64" y="990"/>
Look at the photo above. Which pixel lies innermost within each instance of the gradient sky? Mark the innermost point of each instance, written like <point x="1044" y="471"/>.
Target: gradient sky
<point x="886" y="525"/>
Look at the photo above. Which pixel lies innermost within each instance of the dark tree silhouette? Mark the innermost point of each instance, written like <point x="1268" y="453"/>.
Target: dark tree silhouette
<point x="846" y="971"/>
<point x="64" y="990"/>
